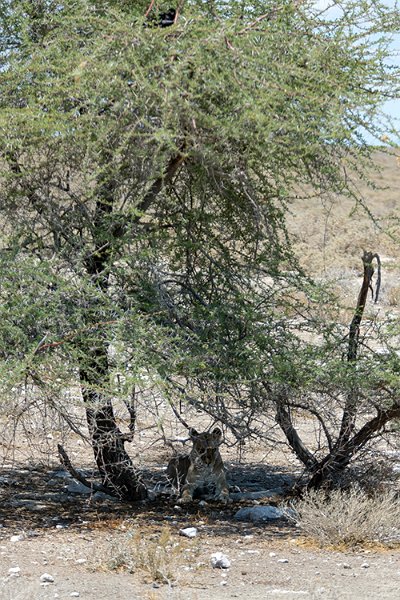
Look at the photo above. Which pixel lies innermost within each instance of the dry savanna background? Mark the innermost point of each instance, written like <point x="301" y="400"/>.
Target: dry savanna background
<point x="59" y="539"/>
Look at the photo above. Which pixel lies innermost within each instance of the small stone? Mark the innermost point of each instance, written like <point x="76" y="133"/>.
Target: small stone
<point x="17" y="538"/>
<point x="62" y="475"/>
<point x="189" y="532"/>
<point x="259" y="514"/>
<point x="74" y="594"/>
<point x="365" y="565"/>
<point x="99" y="496"/>
<point x="220" y="561"/>
<point x="272" y="554"/>
<point x="80" y="561"/>
<point x="14" y="571"/>
<point x="346" y="566"/>
<point x="283" y="560"/>
<point x="76" y="487"/>
<point x="46" y="578"/>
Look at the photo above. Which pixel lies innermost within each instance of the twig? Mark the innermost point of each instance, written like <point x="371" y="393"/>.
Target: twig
<point x="256" y="21"/>
<point x="149" y="9"/>
<point x="41" y="346"/>
<point x="66" y="462"/>
<point x="178" y="10"/>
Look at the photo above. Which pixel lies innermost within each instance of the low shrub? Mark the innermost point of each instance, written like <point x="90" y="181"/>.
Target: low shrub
<point x="349" y="518"/>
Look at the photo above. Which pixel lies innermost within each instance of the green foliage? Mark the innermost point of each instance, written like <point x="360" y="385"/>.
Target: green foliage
<point x="145" y="175"/>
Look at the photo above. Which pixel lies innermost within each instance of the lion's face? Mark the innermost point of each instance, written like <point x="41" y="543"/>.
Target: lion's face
<point x="205" y="445"/>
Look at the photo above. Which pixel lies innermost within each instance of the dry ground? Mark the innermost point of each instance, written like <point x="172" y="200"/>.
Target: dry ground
<point x="85" y="544"/>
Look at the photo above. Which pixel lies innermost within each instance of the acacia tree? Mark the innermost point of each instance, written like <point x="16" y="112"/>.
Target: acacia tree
<point x="145" y="175"/>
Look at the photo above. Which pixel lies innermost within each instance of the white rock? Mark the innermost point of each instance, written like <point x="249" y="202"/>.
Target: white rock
<point x="220" y="561"/>
<point x="46" y="578"/>
<point x="74" y="594"/>
<point x="189" y="532"/>
<point x="365" y="565"/>
<point x="283" y="560"/>
<point x="80" y="561"/>
<point x="17" y="538"/>
<point x="14" y="571"/>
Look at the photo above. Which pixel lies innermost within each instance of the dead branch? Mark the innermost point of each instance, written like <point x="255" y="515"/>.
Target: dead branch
<point x="66" y="462"/>
<point x="158" y="184"/>
<point x="284" y="420"/>
<point x="350" y="408"/>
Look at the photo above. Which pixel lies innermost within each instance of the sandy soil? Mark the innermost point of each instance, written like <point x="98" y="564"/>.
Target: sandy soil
<point x="266" y="562"/>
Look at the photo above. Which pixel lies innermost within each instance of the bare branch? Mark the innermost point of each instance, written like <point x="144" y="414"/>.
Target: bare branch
<point x="66" y="462"/>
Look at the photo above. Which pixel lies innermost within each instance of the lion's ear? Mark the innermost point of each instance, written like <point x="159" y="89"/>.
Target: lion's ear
<point x="217" y="433"/>
<point x="193" y="433"/>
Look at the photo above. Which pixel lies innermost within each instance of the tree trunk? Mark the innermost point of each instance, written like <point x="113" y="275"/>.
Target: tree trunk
<point x="348" y="443"/>
<point x="114" y="463"/>
<point x="333" y="465"/>
<point x="326" y="472"/>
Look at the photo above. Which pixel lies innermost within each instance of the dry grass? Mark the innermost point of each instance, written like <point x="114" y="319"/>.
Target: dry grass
<point x="158" y="557"/>
<point x="350" y="518"/>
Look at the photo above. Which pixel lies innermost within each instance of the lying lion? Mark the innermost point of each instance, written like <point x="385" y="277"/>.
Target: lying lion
<point x="201" y="468"/>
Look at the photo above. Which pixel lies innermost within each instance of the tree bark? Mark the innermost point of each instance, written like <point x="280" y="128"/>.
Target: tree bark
<point x="350" y="409"/>
<point x="114" y="463"/>
<point x="334" y="464"/>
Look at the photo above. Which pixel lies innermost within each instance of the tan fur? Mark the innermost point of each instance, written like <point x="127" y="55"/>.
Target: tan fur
<point x="203" y="466"/>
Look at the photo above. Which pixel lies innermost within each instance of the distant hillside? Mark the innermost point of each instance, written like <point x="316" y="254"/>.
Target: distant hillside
<point x="330" y="235"/>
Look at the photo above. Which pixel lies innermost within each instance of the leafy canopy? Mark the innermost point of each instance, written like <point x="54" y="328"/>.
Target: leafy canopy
<point x="145" y="172"/>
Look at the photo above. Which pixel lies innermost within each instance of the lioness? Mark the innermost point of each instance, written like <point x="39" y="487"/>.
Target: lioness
<point x="203" y="466"/>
